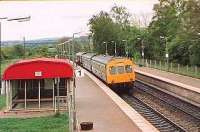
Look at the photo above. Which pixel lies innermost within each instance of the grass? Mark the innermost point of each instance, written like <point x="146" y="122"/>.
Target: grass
<point x="2" y="101"/>
<point x="57" y="123"/>
<point x="183" y="70"/>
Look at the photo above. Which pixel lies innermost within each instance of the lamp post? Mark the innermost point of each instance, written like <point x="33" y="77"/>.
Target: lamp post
<point x="115" y="47"/>
<point x="73" y="91"/>
<point x="106" y="48"/>
<point x="126" y="51"/>
<point x="166" y="50"/>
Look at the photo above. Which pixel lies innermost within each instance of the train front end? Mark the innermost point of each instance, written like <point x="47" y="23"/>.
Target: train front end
<point x="120" y="73"/>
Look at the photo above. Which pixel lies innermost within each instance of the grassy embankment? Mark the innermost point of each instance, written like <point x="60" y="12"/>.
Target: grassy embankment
<point x="37" y="124"/>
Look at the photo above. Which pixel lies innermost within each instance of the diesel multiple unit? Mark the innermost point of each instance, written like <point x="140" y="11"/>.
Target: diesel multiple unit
<point x="114" y="71"/>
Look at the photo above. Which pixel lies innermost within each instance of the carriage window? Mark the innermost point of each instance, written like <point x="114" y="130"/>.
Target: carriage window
<point x="128" y="68"/>
<point x="113" y="70"/>
<point x="120" y="69"/>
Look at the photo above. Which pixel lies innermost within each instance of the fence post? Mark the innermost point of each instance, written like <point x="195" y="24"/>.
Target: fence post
<point x="171" y="66"/>
<point x="146" y="64"/>
<point x="187" y="68"/>
<point x="178" y="67"/>
<point x="196" y="70"/>
<point x="149" y="63"/>
<point x="160" y="65"/>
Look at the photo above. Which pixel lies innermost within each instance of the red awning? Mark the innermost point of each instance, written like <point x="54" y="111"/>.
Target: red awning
<point x="39" y="68"/>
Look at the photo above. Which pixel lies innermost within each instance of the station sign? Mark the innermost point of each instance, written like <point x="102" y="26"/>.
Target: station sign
<point x="79" y="73"/>
<point x="38" y="74"/>
<point x="167" y="55"/>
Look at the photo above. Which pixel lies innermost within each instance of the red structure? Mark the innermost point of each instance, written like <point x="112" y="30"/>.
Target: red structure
<point x="37" y="83"/>
<point x="38" y="69"/>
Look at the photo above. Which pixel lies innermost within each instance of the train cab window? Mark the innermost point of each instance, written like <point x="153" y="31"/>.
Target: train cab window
<point x="128" y="68"/>
<point x="113" y="70"/>
<point x="120" y="69"/>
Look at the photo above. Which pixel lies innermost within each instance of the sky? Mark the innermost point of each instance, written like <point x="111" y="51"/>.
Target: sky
<point x="60" y="18"/>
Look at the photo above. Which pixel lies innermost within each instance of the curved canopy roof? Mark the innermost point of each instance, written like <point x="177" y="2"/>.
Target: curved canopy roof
<point x="39" y="68"/>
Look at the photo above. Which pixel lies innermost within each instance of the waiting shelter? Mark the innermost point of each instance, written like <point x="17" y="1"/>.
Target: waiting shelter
<point x="37" y="84"/>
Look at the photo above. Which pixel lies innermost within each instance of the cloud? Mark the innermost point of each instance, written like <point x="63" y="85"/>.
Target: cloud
<point x="55" y="19"/>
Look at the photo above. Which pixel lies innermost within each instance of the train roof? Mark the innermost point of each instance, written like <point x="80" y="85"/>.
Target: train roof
<point x="105" y="58"/>
<point x="80" y="53"/>
<point x="88" y="55"/>
<point x="102" y="58"/>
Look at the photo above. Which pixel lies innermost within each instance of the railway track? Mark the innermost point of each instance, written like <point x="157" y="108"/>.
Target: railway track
<point x="154" y="117"/>
<point x="185" y="107"/>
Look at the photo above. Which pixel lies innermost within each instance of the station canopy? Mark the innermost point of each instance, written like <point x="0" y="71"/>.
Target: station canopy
<point x="39" y="68"/>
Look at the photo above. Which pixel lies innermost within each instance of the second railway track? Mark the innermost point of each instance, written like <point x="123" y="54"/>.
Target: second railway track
<point x="154" y="117"/>
<point x="165" y="112"/>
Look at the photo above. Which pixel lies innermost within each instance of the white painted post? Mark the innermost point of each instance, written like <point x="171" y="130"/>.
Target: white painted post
<point x="195" y="69"/>
<point x="69" y="106"/>
<point x="178" y="67"/>
<point x="58" y="94"/>
<point x="149" y="63"/>
<point x="6" y="83"/>
<point x="39" y="93"/>
<point x="171" y="66"/>
<point x="25" y="96"/>
<point x="146" y="63"/>
<point x="9" y="95"/>
<point x="160" y="65"/>
<point x="53" y="96"/>
<point x="187" y="68"/>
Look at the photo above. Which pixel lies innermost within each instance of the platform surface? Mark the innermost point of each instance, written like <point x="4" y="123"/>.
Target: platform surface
<point x="194" y="82"/>
<point x="94" y="105"/>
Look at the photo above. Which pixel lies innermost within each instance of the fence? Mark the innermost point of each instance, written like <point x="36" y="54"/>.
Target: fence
<point x="193" y="71"/>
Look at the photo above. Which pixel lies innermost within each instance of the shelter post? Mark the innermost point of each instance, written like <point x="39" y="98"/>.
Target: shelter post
<point x="53" y="95"/>
<point x="58" y="95"/>
<point x="39" y="93"/>
<point x="25" y="95"/>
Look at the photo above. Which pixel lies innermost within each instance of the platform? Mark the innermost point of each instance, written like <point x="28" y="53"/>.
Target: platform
<point x="180" y="86"/>
<point x="105" y="109"/>
<point x="194" y="82"/>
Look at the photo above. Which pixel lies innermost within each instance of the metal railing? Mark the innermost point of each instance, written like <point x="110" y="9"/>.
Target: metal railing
<point x="192" y="71"/>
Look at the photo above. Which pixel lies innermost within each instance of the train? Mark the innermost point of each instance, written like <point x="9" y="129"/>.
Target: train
<point x="117" y="72"/>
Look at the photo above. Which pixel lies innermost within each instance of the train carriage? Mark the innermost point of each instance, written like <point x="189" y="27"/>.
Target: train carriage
<point x="117" y="72"/>
<point x="113" y="70"/>
<point x="79" y="57"/>
<point x="86" y="60"/>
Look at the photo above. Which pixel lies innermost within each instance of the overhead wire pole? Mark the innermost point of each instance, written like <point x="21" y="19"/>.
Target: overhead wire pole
<point x="106" y="47"/>
<point x="126" y="52"/>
